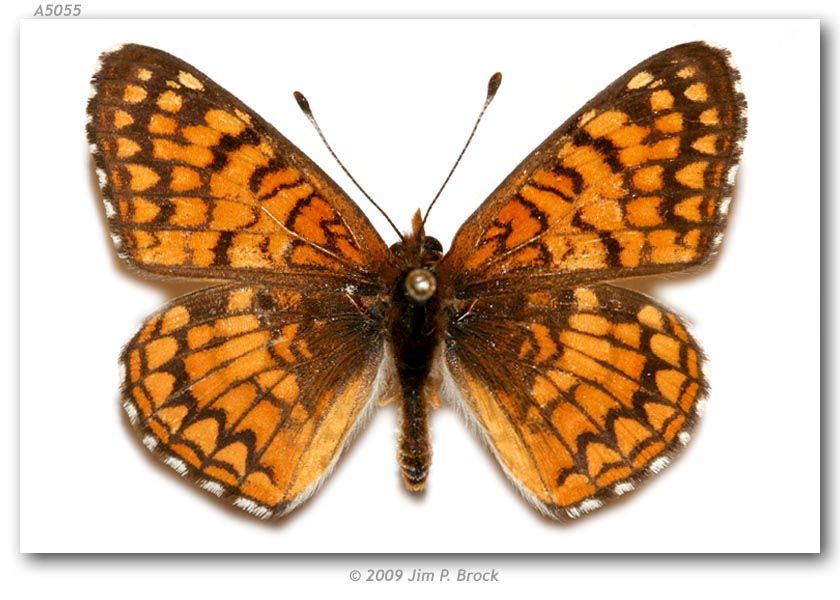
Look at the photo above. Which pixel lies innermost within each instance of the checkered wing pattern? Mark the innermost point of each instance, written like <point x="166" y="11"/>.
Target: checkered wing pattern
<point x="581" y="393"/>
<point x="198" y="185"/>
<point x="637" y="182"/>
<point x="251" y="392"/>
<point x="583" y="389"/>
<point x="251" y="389"/>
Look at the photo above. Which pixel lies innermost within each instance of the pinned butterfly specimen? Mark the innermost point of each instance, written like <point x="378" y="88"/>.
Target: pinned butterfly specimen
<point x="252" y="388"/>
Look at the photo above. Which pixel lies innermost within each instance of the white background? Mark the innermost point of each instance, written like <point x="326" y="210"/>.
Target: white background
<point x="686" y="576"/>
<point x="397" y="99"/>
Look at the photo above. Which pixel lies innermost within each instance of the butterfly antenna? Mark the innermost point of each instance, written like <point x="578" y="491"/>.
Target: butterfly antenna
<point x="492" y="88"/>
<point x="303" y="103"/>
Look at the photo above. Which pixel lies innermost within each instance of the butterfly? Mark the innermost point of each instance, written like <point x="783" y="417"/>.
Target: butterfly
<point x="253" y="387"/>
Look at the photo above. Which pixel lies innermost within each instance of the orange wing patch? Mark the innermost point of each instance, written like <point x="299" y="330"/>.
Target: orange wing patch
<point x="243" y="390"/>
<point x="196" y="184"/>
<point x="582" y="394"/>
<point x="638" y="182"/>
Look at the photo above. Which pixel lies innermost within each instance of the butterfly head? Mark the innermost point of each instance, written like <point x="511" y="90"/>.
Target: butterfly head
<point x="418" y="254"/>
<point x="417" y="249"/>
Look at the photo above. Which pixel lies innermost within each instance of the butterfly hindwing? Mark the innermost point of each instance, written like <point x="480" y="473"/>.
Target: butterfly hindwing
<point x="196" y="184"/>
<point x="637" y="182"/>
<point x="253" y="390"/>
<point x="579" y="392"/>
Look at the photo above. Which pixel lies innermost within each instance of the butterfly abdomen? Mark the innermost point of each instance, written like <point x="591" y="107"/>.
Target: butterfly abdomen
<point x="413" y="332"/>
<point x="415" y="449"/>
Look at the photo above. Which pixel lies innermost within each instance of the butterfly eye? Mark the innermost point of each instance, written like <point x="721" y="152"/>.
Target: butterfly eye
<point x="397" y="249"/>
<point x="432" y="246"/>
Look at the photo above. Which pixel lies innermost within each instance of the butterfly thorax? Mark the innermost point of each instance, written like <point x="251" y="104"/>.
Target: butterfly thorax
<point x="414" y="333"/>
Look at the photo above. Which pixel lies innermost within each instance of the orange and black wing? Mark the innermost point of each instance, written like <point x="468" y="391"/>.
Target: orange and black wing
<point x="198" y="185"/>
<point x="637" y="182"/>
<point x="584" y="389"/>
<point x="253" y="391"/>
<point x="581" y="393"/>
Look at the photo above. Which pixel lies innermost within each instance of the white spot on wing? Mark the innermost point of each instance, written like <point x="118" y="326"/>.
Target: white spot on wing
<point x="258" y="510"/>
<point x="93" y="149"/>
<point x="730" y="175"/>
<point x="109" y="209"/>
<point x="177" y="464"/>
<point x="213" y="487"/>
<point x="150" y="442"/>
<point x="724" y="205"/>
<point x="700" y="407"/>
<point x="102" y="177"/>
<point x="659" y="464"/>
<point x="584" y="507"/>
<point x="131" y="412"/>
<point x="684" y="437"/>
<point x="622" y="488"/>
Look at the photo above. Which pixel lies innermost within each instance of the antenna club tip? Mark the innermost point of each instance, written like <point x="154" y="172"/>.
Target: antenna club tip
<point x="303" y="103"/>
<point x="493" y="84"/>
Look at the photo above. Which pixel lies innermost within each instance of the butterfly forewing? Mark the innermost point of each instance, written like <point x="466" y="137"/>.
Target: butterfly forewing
<point x="196" y="184"/>
<point x="637" y="182"/>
